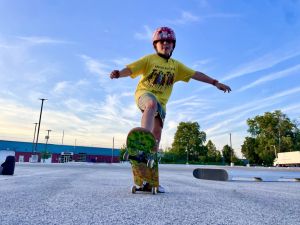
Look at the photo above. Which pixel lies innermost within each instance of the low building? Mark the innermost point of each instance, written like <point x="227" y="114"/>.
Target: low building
<point x="288" y="159"/>
<point x="25" y="152"/>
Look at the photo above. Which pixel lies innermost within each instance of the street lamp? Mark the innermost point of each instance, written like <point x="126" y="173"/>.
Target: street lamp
<point x="187" y="155"/>
<point x="274" y="150"/>
<point x="231" y="150"/>
<point x="279" y="133"/>
<point x="47" y="138"/>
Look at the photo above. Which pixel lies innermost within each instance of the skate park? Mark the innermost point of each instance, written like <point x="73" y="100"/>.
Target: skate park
<point x="89" y="193"/>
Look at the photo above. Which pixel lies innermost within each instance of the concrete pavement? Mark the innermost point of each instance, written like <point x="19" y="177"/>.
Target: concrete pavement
<point x="80" y="193"/>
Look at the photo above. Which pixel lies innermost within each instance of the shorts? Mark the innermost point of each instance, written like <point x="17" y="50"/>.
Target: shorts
<point x="160" y="111"/>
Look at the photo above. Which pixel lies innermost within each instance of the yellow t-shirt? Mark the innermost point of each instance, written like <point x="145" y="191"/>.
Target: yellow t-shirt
<point x="158" y="76"/>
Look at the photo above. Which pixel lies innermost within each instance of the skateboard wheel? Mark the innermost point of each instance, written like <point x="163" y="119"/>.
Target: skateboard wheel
<point x="150" y="163"/>
<point x="133" y="189"/>
<point x="154" y="190"/>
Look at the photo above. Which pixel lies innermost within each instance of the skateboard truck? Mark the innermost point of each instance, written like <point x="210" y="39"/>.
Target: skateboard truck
<point x="144" y="188"/>
<point x="141" y="158"/>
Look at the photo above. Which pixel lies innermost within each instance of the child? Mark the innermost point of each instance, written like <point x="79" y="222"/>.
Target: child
<point x="159" y="72"/>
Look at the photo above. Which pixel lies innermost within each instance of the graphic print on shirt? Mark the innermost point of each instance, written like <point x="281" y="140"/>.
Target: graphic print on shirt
<point x="161" y="77"/>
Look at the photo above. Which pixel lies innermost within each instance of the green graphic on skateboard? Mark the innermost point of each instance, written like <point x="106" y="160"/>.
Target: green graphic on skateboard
<point x="144" y="160"/>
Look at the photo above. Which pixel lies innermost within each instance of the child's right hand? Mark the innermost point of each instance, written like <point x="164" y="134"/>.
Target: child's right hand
<point x="115" y="74"/>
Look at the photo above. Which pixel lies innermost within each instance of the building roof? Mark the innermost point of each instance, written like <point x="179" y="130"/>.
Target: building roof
<point x="56" y="149"/>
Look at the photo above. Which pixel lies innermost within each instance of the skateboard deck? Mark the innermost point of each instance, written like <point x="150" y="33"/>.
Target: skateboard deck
<point x="210" y="174"/>
<point x="143" y="158"/>
<point x="220" y="175"/>
<point x="245" y="175"/>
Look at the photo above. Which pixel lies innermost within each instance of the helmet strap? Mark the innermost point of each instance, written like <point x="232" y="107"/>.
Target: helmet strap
<point x="162" y="55"/>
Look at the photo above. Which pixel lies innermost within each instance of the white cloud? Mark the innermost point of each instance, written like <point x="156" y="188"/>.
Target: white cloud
<point x="264" y="62"/>
<point x="122" y="61"/>
<point x="185" y="17"/>
<point x="237" y="118"/>
<point x="222" y="15"/>
<point x="201" y="64"/>
<point x="294" y="108"/>
<point x="36" y="40"/>
<point x="95" y="66"/>
<point x="64" y="87"/>
<point x="250" y="105"/>
<point x="61" y="86"/>
<point x="98" y="68"/>
<point x="102" y="71"/>
<point x="188" y="17"/>
<point x="146" y="35"/>
<point x="271" y="77"/>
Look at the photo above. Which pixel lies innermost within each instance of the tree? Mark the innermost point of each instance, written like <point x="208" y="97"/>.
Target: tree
<point x="296" y="137"/>
<point x="169" y="156"/>
<point x="213" y="155"/>
<point x="45" y="155"/>
<point x="188" y="141"/>
<point x="229" y="155"/>
<point x="270" y="133"/>
<point x="249" y="149"/>
<point x="122" y="151"/>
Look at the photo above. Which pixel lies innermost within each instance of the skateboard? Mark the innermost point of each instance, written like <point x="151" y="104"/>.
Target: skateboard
<point x="211" y="174"/>
<point x="220" y="175"/>
<point x="144" y="160"/>
<point x="244" y="175"/>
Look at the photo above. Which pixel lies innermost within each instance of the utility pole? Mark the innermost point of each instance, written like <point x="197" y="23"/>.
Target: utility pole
<point x="47" y="138"/>
<point x="38" y="132"/>
<point x="62" y="140"/>
<point x="231" y="157"/>
<point x="187" y="155"/>
<point x="279" y="121"/>
<point x="112" y="152"/>
<point x="34" y="136"/>
<point x="275" y="151"/>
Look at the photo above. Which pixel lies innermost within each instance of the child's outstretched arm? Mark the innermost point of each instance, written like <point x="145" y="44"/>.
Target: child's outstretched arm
<point x="204" y="78"/>
<point x="115" y="74"/>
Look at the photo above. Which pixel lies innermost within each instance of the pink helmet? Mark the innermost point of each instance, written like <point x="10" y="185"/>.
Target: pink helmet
<point x="164" y="33"/>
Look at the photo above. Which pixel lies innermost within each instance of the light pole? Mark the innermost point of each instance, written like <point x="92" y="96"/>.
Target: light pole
<point x="75" y="143"/>
<point x="112" y="150"/>
<point x="38" y="132"/>
<point x="34" y="136"/>
<point x="275" y="150"/>
<point x="231" y="150"/>
<point x="63" y="136"/>
<point x="47" y="138"/>
<point x="279" y="123"/>
<point x="187" y="155"/>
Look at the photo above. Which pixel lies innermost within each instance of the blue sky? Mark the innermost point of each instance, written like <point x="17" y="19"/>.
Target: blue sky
<point x="65" y="50"/>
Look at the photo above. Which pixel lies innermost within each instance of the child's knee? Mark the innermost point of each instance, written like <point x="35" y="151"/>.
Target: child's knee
<point x="151" y="105"/>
